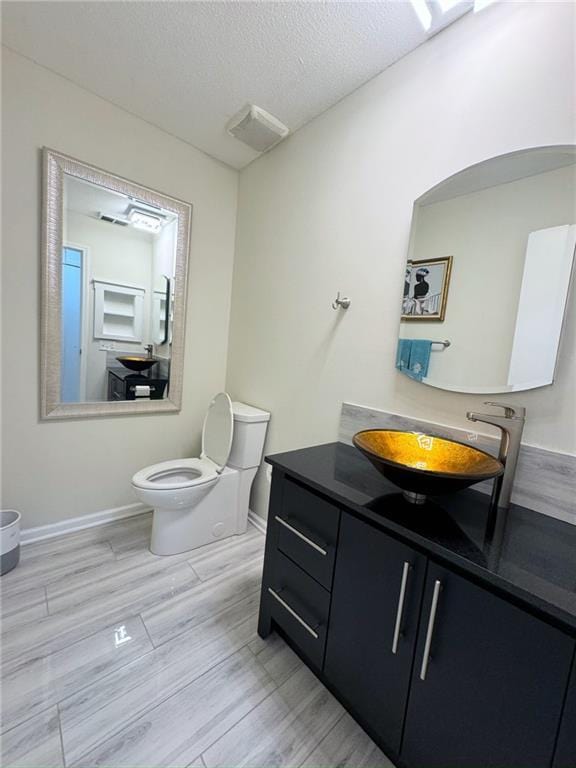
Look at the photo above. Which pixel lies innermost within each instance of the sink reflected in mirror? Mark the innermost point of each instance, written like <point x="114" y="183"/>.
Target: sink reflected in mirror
<point x="424" y="465"/>
<point x="137" y="362"/>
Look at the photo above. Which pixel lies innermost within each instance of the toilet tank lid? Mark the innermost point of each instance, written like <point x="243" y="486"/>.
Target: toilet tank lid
<point x="243" y="412"/>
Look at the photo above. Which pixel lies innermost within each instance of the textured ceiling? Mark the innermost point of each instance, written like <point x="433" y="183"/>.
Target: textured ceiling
<point x="187" y="67"/>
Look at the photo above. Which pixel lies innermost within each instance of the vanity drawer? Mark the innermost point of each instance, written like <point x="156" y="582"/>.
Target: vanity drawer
<point x="308" y="531"/>
<point x="300" y="607"/>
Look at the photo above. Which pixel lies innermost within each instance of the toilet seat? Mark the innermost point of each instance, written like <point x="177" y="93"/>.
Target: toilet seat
<point x="180" y="474"/>
<point x="176" y="474"/>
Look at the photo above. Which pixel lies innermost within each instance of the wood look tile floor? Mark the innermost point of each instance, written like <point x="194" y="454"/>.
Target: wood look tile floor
<point x="111" y="656"/>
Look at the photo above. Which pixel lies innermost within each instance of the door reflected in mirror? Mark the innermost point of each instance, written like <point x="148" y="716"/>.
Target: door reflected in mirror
<point x="488" y="274"/>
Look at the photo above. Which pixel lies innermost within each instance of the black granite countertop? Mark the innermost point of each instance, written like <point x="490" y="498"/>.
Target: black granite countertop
<point x="157" y="372"/>
<point x="529" y="556"/>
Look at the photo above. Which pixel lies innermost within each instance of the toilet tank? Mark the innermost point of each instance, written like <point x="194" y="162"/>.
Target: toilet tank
<point x="250" y="426"/>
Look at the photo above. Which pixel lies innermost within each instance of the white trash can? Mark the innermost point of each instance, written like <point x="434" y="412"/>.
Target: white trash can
<point x="9" y="540"/>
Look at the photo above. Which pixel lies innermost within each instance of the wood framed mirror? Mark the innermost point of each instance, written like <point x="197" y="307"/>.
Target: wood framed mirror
<point x="114" y="277"/>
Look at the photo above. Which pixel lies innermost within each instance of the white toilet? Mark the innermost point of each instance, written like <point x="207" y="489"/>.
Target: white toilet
<point x="197" y="501"/>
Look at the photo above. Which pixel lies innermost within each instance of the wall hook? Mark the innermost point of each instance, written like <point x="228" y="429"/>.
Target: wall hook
<point x="341" y="303"/>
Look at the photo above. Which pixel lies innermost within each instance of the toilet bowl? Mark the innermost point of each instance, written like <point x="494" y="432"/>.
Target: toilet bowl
<point x="196" y="501"/>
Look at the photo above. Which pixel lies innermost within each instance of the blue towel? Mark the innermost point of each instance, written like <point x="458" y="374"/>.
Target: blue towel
<point x="419" y="359"/>
<point x="403" y="354"/>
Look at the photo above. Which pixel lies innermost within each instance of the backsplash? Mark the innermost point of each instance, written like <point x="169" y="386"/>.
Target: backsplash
<point x="545" y="480"/>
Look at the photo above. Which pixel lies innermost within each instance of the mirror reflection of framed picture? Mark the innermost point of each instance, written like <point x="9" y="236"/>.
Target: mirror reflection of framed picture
<point x="426" y="289"/>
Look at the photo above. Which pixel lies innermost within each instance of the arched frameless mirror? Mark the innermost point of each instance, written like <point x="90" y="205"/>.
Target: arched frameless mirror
<point x="488" y="274"/>
<point x="113" y="293"/>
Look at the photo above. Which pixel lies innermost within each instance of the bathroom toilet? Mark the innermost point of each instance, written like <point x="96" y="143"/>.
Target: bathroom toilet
<point x="197" y="501"/>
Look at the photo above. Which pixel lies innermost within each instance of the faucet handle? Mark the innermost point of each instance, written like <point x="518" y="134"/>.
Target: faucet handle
<point x="510" y="411"/>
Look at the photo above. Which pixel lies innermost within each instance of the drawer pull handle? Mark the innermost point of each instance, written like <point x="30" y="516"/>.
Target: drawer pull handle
<point x="430" y="630"/>
<point x="301" y="536"/>
<point x="400" y="610"/>
<point x="292" y="612"/>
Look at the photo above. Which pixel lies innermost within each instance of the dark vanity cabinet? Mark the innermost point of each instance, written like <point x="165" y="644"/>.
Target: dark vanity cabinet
<point x="122" y="383"/>
<point x="488" y="680"/>
<point x="439" y="668"/>
<point x="374" y="625"/>
<point x="566" y="750"/>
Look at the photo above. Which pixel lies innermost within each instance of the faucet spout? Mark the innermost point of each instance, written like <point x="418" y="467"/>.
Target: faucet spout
<point x="511" y="425"/>
<point x="487" y="418"/>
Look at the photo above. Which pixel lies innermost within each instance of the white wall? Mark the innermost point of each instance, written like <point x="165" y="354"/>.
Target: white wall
<point x="486" y="233"/>
<point x="329" y="209"/>
<point x="56" y="470"/>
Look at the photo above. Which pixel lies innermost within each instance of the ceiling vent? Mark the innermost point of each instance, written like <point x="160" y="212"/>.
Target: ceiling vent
<point x="257" y="128"/>
<point x="112" y="219"/>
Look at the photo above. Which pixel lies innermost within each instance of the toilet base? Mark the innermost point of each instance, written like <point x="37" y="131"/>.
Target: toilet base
<point x="216" y="516"/>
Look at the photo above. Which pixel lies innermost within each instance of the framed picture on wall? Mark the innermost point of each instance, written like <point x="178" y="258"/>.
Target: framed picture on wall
<point x="426" y="289"/>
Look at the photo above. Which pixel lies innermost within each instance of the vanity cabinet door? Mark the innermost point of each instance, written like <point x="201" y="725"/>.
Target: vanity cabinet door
<point x="116" y="388"/>
<point x="373" y="624"/>
<point x="566" y="748"/>
<point x="488" y="681"/>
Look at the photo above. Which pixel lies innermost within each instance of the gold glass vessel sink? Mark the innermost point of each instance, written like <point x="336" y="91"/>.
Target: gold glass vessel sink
<point x="423" y="465"/>
<point x="137" y="362"/>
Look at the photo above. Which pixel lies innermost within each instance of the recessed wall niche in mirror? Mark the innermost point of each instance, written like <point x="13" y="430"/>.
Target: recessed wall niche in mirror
<point x="488" y="274"/>
<point x="114" y="285"/>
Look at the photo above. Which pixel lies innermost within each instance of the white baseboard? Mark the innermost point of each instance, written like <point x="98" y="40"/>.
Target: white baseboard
<point x="257" y="521"/>
<point x="41" y="532"/>
<point x="29" y="535"/>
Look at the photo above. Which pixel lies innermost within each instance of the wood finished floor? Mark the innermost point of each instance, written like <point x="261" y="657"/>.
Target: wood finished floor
<point x="112" y="656"/>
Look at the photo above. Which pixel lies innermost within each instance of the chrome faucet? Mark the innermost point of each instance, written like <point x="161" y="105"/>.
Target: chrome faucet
<point x="150" y="349"/>
<point x="511" y="424"/>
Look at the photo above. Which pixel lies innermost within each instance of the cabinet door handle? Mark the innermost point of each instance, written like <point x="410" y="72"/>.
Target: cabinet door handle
<point x="292" y="612"/>
<point x="301" y="536"/>
<point x="400" y="609"/>
<point x="430" y="630"/>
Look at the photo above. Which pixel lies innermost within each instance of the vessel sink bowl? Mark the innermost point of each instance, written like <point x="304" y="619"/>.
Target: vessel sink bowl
<point x="137" y="362"/>
<point x="423" y="465"/>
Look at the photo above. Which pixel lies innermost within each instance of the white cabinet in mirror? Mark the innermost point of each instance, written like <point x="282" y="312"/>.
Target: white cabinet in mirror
<point x="113" y="293"/>
<point x="489" y="270"/>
